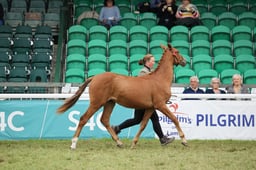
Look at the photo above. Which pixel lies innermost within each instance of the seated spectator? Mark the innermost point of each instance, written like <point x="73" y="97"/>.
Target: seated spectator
<point x="1" y="15"/>
<point x="188" y="14"/>
<point x="193" y="88"/>
<point x="237" y="86"/>
<point x="215" y="84"/>
<point x="166" y="13"/>
<point x="109" y="14"/>
<point x="154" y="5"/>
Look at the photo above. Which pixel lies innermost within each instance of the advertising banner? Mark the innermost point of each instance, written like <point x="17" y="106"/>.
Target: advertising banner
<point x="199" y="119"/>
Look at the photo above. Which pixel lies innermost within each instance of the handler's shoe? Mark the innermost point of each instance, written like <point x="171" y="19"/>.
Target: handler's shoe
<point x="165" y="140"/>
<point x="116" y="129"/>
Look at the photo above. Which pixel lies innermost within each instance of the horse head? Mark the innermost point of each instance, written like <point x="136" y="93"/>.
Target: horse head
<point x="177" y="58"/>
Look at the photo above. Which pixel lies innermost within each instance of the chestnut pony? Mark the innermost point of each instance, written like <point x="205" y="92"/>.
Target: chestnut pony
<point x="147" y="92"/>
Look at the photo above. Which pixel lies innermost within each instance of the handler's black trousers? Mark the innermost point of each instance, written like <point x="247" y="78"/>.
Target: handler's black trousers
<point x="138" y="116"/>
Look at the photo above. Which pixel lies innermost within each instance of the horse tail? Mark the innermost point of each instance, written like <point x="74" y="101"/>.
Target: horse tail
<point x="72" y="100"/>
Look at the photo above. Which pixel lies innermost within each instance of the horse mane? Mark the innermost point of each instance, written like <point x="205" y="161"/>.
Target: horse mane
<point x="160" y="61"/>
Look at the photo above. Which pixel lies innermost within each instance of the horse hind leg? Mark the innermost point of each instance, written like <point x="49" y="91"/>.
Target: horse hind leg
<point x="83" y="120"/>
<point x="108" y="107"/>
<point x="143" y="124"/>
<point x="164" y="109"/>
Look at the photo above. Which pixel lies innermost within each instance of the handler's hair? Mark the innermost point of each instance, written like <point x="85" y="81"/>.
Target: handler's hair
<point x="145" y="59"/>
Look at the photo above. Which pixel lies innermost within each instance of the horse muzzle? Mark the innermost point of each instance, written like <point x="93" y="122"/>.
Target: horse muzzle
<point x="183" y="62"/>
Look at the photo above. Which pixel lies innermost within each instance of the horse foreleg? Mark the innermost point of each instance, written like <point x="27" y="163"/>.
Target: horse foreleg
<point x="83" y="120"/>
<point x="164" y="109"/>
<point x="108" y="107"/>
<point x="143" y="123"/>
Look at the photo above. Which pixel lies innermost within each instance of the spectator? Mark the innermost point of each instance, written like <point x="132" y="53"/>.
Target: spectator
<point x="215" y="84"/>
<point x="188" y="14"/>
<point x="237" y="86"/>
<point x="109" y="14"/>
<point x="154" y="5"/>
<point x="166" y="13"/>
<point x="1" y="14"/>
<point x="148" y="61"/>
<point x="193" y="88"/>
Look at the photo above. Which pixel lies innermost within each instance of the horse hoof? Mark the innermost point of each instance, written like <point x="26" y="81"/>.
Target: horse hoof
<point x="184" y="143"/>
<point x="119" y="145"/>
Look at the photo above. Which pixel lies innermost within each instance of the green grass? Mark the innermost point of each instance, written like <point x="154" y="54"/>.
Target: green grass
<point x="102" y="154"/>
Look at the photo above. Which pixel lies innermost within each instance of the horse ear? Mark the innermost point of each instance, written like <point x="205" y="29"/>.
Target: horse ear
<point x="163" y="46"/>
<point x="169" y="46"/>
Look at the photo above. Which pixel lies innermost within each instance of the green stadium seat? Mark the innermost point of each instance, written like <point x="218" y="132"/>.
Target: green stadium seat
<point x="18" y="74"/>
<point x="209" y="19"/>
<point x="41" y="60"/>
<point x="202" y="7"/>
<point x="37" y="6"/>
<point x="241" y="32"/>
<point x="135" y="72"/>
<point x="5" y="45"/>
<point x="22" y="45"/>
<point x="98" y="6"/>
<point x="159" y="32"/>
<point x="89" y="22"/>
<point x="98" y="32"/>
<point x="21" y="60"/>
<point x="95" y="71"/>
<point x="77" y="32"/>
<point x="238" y="7"/>
<point x="222" y="62"/>
<point x="118" y="61"/>
<point x="34" y="73"/>
<point x="129" y="20"/>
<point x="201" y="62"/>
<point x="117" y="47"/>
<point x="42" y="46"/>
<point x="74" y="76"/>
<point x="148" y="19"/>
<point x="179" y="32"/>
<point x="182" y="76"/>
<point x="138" y="32"/>
<point x="76" y="47"/>
<point x="243" y="47"/>
<point x="155" y="48"/>
<point x="120" y="71"/>
<point x="97" y="47"/>
<point x="5" y="59"/>
<point x="220" y="32"/>
<point x="54" y="6"/>
<point x="157" y="58"/>
<point x="206" y="75"/>
<point x="250" y="76"/>
<point x="221" y="47"/>
<point x="199" y="32"/>
<point x="76" y="61"/>
<point x="14" y="19"/>
<point x="52" y="20"/>
<point x="134" y="59"/>
<point x="118" y="32"/>
<point x="218" y="6"/>
<point x="97" y="61"/>
<point x="227" y="74"/>
<point x="228" y="19"/>
<point x="200" y="47"/>
<point x="43" y="32"/>
<point x="252" y="7"/>
<point x="182" y="45"/>
<point x="138" y="47"/>
<point x="248" y="19"/>
<point x="18" y="6"/>
<point x="245" y="62"/>
<point x="6" y="32"/>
